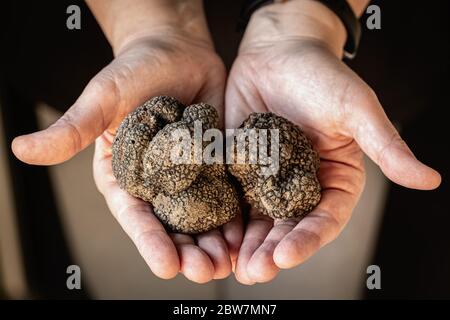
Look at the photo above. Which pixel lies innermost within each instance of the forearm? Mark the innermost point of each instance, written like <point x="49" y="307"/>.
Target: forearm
<point x="300" y="18"/>
<point x="358" y="6"/>
<point x="124" y="20"/>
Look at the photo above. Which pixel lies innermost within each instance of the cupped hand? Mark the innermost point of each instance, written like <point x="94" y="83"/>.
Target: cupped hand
<point x="167" y="62"/>
<point x="302" y="79"/>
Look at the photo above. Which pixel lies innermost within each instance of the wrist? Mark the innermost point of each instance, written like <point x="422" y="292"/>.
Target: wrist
<point x="126" y="21"/>
<point x="296" y="19"/>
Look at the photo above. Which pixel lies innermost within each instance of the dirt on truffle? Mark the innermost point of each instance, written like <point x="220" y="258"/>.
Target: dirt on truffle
<point x="294" y="189"/>
<point x="186" y="197"/>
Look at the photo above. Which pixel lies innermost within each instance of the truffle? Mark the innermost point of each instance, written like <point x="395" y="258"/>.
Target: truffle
<point x="188" y="197"/>
<point x="293" y="189"/>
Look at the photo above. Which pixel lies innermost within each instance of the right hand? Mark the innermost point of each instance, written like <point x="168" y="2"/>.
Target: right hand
<point x="165" y="61"/>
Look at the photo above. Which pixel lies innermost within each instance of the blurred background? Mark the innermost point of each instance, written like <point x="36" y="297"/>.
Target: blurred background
<point x="52" y="217"/>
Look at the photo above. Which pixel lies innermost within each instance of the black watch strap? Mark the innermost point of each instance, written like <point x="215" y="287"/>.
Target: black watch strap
<point x="247" y="10"/>
<point x="351" y="23"/>
<point x="340" y="7"/>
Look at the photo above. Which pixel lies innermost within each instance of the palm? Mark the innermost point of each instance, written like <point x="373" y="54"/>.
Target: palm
<point x="302" y="81"/>
<point x="275" y="80"/>
<point x="178" y="66"/>
<point x="196" y="77"/>
<point x="201" y="258"/>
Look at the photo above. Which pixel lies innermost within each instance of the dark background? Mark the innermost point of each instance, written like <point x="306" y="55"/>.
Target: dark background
<point x="406" y="63"/>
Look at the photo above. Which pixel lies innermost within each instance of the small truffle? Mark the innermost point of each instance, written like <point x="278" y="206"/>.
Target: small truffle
<point x="293" y="190"/>
<point x="188" y="197"/>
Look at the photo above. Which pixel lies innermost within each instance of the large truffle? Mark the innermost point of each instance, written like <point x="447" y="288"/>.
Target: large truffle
<point x="188" y="197"/>
<point x="293" y="189"/>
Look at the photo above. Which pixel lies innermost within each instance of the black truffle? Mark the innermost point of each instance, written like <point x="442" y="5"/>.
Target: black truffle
<point x="188" y="197"/>
<point x="293" y="190"/>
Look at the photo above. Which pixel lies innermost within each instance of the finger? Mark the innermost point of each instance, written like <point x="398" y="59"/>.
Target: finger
<point x="261" y="267"/>
<point x="318" y="228"/>
<point x="255" y="233"/>
<point x="195" y="263"/>
<point x="136" y="218"/>
<point x="380" y="140"/>
<point x="213" y="244"/>
<point x="76" y="129"/>
<point x="233" y="233"/>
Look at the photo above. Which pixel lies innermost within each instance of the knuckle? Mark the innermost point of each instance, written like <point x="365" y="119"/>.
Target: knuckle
<point x="383" y="153"/>
<point x="67" y="121"/>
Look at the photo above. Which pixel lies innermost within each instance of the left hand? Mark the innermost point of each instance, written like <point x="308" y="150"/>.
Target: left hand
<point x="299" y="75"/>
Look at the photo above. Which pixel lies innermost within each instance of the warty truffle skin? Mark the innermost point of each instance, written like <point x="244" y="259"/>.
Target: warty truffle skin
<point x="294" y="190"/>
<point x="186" y="197"/>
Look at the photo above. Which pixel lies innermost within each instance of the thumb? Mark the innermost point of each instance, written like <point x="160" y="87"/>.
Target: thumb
<point x="75" y="130"/>
<point x="379" y="139"/>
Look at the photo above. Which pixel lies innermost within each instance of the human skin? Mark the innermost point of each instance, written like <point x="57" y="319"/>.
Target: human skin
<point x="163" y="47"/>
<point x="289" y="63"/>
<point x="160" y="47"/>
